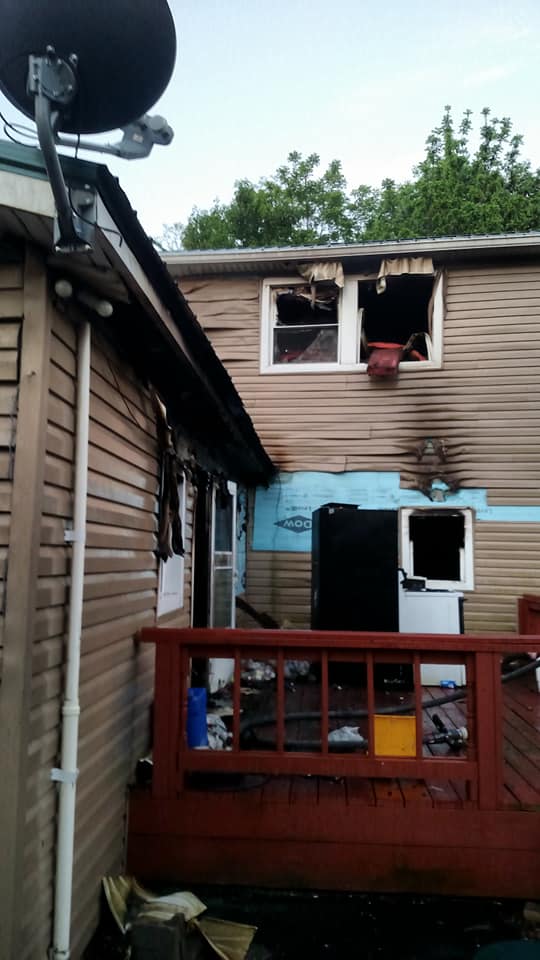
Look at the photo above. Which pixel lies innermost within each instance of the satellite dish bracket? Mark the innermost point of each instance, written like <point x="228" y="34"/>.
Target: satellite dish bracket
<point x="53" y="83"/>
<point x="139" y="137"/>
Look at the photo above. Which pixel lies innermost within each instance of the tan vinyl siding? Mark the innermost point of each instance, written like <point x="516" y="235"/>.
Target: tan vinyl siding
<point x="280" y="584"/>
<point x="120" y="593"/>
<point x="484" y="404"/>
<point x="49" y="639"/>
<point x="11" y="312"/>
<point x="116" y="683"/>
<point x="507" y="565"/>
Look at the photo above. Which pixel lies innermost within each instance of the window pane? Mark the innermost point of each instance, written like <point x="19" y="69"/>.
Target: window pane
<point x="299" y="306"/>
<point x="223" y="597"/>
<point x="223" y="522"/>
<point x="307" y="344"/>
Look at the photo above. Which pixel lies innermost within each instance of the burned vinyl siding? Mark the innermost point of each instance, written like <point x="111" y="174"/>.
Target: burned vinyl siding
<point x="483" y="403"/>
<point x="11" y="312"/>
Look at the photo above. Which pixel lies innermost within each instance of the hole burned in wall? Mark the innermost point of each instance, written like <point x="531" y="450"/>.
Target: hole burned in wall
<point x="438" y="542"/>
<point x="400" y="315"/>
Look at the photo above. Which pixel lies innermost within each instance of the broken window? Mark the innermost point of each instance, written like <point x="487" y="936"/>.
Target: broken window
<point x="437" y="545"/>
<point x="306" y="323"/>
<point x="399" y="316"/>
<point x="381" y="319"/>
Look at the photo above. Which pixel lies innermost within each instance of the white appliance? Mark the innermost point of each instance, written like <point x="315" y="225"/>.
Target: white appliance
<point x="433" y="611"/>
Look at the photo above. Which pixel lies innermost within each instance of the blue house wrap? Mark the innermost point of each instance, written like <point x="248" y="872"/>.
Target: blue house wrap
<point x="283" y="511"/>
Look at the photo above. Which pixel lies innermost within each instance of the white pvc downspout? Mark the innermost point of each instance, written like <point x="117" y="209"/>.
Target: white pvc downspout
<point x="67" y="774"/>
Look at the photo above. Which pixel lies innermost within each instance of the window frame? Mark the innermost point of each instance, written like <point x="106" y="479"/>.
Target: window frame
<point x="233" y="492"/>
<point x="466" y="581"/>
<point x="349" y="329"/>
<point x="169" y="601"/>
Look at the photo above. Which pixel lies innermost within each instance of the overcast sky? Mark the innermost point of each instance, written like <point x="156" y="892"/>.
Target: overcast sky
<point x="361" y="82"/>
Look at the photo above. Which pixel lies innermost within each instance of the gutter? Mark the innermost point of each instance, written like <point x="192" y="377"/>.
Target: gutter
<point x="184" y="263"/>
<point x="67" y="774"/>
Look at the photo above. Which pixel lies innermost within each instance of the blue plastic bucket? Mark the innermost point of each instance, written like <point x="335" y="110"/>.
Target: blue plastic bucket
<point x="197" y="729"/>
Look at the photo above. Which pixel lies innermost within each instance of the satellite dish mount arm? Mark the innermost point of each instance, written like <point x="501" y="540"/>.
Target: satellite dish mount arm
<point x="53" y="83"/>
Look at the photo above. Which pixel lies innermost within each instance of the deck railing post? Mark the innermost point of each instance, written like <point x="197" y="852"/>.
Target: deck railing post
<point x="489" y="733"/>
<point x="280" y="702"/>
<point x="324" y="702"/>
<point x="237" y="679"/>
<point x="163" y="747"/>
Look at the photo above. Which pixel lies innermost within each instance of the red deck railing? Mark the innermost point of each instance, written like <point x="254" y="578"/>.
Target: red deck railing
<point x="481" y="766"/>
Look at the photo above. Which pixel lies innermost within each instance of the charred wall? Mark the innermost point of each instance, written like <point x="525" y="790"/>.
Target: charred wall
<point x="481" y="410"/>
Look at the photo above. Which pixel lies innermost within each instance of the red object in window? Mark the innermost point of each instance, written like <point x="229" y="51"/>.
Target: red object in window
<point x="384" y="359"/>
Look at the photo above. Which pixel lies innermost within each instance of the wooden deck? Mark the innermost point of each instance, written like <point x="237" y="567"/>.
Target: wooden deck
<point x="284" y="810"/>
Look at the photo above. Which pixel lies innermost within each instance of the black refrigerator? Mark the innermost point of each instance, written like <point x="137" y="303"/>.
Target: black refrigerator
<point x="354" y="582"/>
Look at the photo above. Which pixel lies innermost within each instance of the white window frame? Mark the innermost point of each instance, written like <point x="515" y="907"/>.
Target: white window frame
<point x="466" y="559"/>
<point x="232" y="490"/>
<point x="349" y="330"/>
<point x="172" y="572"/>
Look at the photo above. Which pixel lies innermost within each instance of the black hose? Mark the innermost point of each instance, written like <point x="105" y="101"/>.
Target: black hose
<point x="348" y="714"/>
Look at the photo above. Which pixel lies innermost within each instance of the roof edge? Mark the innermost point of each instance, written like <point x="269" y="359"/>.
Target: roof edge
<point x="255" y="256"/>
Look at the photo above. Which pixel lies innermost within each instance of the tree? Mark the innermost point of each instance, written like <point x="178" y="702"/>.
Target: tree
<point x="454" y="190"/>
<point x="458" y="191"/>
<point x="292" y="207"/>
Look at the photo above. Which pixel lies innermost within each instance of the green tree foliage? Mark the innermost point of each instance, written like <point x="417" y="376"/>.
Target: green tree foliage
<point x="455" y="189"/>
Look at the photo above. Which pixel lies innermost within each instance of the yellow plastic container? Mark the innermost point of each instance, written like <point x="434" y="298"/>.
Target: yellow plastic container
<point x="395" y="736"/>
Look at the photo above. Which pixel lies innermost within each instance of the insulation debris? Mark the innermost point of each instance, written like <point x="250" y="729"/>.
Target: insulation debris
<point x="132" y="905"/>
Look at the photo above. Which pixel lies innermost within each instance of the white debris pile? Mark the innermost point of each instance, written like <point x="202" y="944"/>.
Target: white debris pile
<point x="257" y="671"/>
<point x="218" y="735"/>
<point x="346" y="735"/>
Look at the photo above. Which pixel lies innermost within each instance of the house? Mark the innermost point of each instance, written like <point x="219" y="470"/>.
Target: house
<point x="396" y="376"/>
<point x="102" y="364"/>
<point x="395" y="386"/>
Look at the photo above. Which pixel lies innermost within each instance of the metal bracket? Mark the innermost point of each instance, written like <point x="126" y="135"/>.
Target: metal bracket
<point x="72" y="536"/>
<point x="53" y="83"/>
<point x="64" y="776"/>
<point x="139" y="137"/>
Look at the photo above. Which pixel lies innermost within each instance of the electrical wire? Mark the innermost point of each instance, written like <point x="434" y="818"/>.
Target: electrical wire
<point x="17" y="128"/>
<point x="14" y="130"/>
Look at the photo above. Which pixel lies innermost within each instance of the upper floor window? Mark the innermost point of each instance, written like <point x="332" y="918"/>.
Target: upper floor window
<point x="337" y="322"/>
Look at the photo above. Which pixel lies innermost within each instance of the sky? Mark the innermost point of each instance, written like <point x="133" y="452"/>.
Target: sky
<point x="363" y="83"/>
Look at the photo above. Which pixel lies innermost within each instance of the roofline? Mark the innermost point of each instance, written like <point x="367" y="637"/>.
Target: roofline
<point x="257" y="466"/>
<point x="253" y="258"/>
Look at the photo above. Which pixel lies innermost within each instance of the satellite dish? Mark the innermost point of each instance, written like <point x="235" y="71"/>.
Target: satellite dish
<point x="125" y="49"/>
<point x="86" y="66"/>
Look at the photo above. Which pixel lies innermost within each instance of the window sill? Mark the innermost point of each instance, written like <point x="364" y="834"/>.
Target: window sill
<point x="460" y="586"/>
<point x="287" y="368"/>
<point x="170" y="609"/>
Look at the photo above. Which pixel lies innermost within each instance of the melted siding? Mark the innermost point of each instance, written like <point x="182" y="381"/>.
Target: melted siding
<point x="484" y="403"/>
